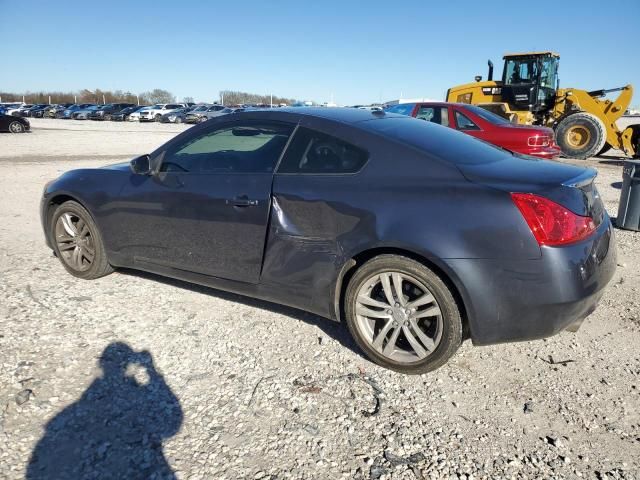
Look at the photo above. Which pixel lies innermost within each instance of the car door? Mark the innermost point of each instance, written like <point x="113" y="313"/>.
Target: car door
<point x="206" y="209"/>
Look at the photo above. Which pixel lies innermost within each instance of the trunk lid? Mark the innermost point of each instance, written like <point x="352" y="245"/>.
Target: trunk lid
<point x="568" y="185"/>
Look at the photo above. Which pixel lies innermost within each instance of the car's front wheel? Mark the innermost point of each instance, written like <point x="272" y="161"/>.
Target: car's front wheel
<point x="402" y="315"/>
<point x="16" y="127"/>
<point x="77" y="242"/>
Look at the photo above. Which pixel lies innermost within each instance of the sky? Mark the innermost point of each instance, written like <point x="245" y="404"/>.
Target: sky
<point x="352" y="51"/>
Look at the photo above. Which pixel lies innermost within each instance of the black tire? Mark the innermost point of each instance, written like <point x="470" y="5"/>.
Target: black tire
<point x="157" y="117"/>
<point x="604" y="149"/>
<point x="178" y="120"/>
<point x="581" y="135"/>
<point x="16" y="127"/>
<point x="635" y="140"/>
<point x="99" y="266"/>
<point x="450" y="322"/>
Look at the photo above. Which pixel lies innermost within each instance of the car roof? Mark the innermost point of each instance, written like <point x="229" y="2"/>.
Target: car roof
<point x="340" y="114"/>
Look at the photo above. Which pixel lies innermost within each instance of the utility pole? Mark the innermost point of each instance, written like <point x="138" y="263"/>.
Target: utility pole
<point x="222" y="99"/>
<point x="75" y="99"/>
<point x="138" y="99"/>
<point x="49" y="99"/>
<point x="272" y="100"/>
<point x="104" y="101"/>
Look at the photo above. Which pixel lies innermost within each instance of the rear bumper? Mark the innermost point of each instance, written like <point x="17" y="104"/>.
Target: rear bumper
<point x="543" y="152"/>
<point x="518" y="300"/>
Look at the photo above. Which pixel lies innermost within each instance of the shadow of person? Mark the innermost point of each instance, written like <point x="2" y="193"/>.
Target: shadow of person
<point x="116" y="428"/>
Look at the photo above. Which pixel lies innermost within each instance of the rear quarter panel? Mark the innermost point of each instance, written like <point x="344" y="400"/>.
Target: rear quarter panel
<point x="402" y="199"/>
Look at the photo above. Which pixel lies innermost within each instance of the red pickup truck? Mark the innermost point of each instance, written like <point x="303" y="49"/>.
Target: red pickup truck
<point x="480" y="123"/>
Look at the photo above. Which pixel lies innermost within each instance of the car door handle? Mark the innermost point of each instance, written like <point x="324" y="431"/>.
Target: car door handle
<point x="242" y="201"/>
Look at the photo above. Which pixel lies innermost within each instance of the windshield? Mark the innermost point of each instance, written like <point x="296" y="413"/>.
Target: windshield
<point x="227" y="110"/>
<point x="487" y="115"/>
<point x="521" y="70"/>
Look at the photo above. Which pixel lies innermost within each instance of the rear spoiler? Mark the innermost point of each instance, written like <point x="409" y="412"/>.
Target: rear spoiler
<point x="582" y="180"/>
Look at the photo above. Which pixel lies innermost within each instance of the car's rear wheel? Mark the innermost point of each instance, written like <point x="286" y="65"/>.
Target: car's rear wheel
<point x="402" y="315"/>
<point x="178" y="120"/>
<point x="16" y="127"/>
<point x="77" y="242"/>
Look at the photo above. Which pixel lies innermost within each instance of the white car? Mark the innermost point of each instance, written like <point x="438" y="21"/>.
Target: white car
<point x="154" y="112"/>
<point x="135" y="116"/>
<point x="14" y="108"/>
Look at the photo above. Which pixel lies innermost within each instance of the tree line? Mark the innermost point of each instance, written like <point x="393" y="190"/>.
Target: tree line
<point x="231" y="97"/>
<point x="157" y="95"/>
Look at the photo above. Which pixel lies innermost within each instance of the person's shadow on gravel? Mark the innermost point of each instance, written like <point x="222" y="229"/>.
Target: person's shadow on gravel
<point x="115" y="430"/>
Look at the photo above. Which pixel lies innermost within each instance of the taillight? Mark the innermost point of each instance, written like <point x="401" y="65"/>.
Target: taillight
<point x="539" y="141"/>
<point x="551" y="223"/>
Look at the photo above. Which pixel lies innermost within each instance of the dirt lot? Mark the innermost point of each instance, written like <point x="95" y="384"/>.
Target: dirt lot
<point x="237" y="388"/>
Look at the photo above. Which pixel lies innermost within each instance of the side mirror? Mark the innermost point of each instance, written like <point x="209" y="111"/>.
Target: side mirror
<point x="141" y="165"/>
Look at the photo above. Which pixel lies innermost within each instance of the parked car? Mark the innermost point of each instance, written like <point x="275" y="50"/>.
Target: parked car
<point x="153" y="113"/>
<point x="176" y="116"/>
<point x="303" y="207"/>
<point x="203" y="113"/>
<point x="105" y="111"/>
<point x="38" y="111"/>
<point x="123" y="115"/>
<point x="68" y="112"/>
<point x="480" y="123"/>
<point x="13" y="124"/>
<point x="18" y="112"/>
<point x="54" y="111"/>
<point x="13" y="109"/>
<point x="27" y="112"/>
<point x="83" y="113"/>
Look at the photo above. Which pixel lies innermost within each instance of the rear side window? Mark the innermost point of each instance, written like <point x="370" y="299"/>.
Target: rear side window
<point x="464" y="122"/>
<point x="439" y="115"/>
<point x="313" y="152"/>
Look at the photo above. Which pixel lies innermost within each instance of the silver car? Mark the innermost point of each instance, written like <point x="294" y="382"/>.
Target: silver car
<point x="84" y="113"/>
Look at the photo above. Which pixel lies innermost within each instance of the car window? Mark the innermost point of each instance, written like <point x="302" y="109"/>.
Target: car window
<point x="487" y="115"/>
<point x="313" y="152"/>
<point x="464" y="122"/>
<point x="240" y="148"/>
<point x="439" y="115"/>
<point x="401" y="109"/>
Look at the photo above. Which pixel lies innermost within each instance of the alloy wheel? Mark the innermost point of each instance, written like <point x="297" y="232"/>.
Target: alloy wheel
<point x="16" y="127"/>
<point x="398" y="316"/>
<point x="75" y="242"/>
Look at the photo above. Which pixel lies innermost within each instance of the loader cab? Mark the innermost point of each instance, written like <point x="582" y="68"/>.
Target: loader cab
<point x="530" y="80"/>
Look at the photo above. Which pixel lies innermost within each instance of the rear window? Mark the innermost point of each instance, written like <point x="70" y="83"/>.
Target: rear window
<point x="401" y="109"/>
<point x="445" y="143"/>
<point x="487" y="115"/>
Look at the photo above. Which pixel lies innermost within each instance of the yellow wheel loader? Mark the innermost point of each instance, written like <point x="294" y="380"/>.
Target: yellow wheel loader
<point x="529" y="93"/>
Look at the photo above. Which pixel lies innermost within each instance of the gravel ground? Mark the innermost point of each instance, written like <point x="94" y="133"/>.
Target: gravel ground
<point x="135" y="376"/>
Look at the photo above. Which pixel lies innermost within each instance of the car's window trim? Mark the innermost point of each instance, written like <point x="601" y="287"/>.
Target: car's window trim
<point x="329" y="174"/>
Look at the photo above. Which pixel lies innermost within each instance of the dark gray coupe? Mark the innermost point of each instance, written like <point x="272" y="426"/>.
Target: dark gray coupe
<point x="414" y="235"/>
